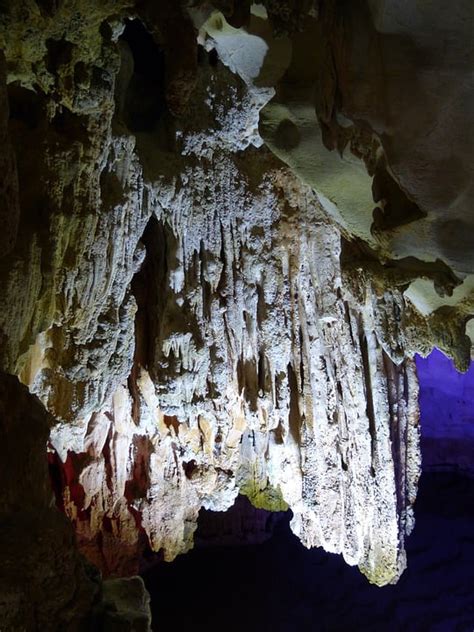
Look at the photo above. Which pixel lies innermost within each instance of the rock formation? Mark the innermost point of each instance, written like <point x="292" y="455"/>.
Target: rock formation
<point x="198" y="317"/>
<point x="45" y="583"/>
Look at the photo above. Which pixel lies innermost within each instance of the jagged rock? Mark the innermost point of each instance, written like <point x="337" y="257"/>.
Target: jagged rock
<point x="126" y="606"/>
<point x="198" y="320"/>
<point x="248" y="373"/>
<point x="390" y="85"/>
<point x="44" y="582"/>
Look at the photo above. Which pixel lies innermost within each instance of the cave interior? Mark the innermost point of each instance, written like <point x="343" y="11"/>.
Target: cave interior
<point x="236" y="315"/>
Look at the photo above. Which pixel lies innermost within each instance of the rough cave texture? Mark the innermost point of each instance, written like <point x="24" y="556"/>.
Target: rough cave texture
<point x="45" y="583"/>
<point x="314" y="591"/>
<point x="201" y="319"/>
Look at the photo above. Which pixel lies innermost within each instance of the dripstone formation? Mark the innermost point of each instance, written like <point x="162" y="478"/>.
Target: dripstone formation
<point x="221" y="248"/>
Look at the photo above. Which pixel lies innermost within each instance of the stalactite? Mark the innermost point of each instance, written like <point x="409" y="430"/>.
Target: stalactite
<point x="198" y="319"/>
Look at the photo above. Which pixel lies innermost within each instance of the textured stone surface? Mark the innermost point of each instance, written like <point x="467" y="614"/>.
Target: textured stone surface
<point x="44" y="582"/>
<point x="197" y="319"/>
<point x="126" y="606"/>
<point x="253" y="366"/>
<point x="314" y="590"/>
<point x="390" y="83"/>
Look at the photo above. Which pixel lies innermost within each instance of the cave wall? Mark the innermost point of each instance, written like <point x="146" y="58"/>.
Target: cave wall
<point x="43" y="577"/>
<point x="196" y="318"/>
<point x="447" y="421"/>
<point x="45" y="582"/>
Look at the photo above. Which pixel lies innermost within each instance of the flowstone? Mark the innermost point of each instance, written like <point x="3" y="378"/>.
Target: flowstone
<point x="198" y="319"/>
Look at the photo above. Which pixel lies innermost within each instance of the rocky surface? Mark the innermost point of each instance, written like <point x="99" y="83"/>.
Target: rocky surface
<point x="45" y="583"/>
<point x="391" y="84"/>
<point x="243" y="317"/>
<point x="198" y="320"/>
<point x="43" y="578"/>
<point x="126" y="605"/>
<point x="314" y="591"/>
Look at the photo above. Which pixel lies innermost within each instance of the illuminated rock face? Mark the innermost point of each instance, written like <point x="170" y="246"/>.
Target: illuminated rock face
<point x="188" y="311"/>
<point x="251" y="365"/>
<point x="263" y="373"/>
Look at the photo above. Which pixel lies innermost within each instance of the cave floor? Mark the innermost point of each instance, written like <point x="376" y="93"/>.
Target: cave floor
<point x="281" y="586"/>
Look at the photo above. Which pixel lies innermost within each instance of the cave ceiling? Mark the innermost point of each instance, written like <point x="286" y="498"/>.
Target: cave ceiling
<point x="225" y="230"/>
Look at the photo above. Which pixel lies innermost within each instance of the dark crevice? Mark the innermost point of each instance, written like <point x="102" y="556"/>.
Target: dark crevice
<point x="59" y="53"/>
<point x="171" y="421"/>
<point x="264" y="381"/>
<point x="277" y="386"/>
<point x="106" y="453"/>
<point x="139" y="483"/>
<point x="27" y="129"/>
<point x="148" y="289"/>
<point x="213" y="57"/>
<point x="247" y="376"/>
<point x="207" y="58"/>
<point x="56" y="477"/>
<point x="216" y="361"/>
<point x="370" y="411"/>
<point x="190" y="468"/>
<point x="343" y="463"/>
<point x="145" y="102"/>
<point x="47" y="8"/>
<point x="347" y="312"/>
<point x="261" y="306"/>
<point x="396" y="209"/>
<point x="300" y="334"/>
<point x="279" y="433"/>
<point x="71" y="125"/>
<point x="294" y="419"/>
<point x="25" y="106"/>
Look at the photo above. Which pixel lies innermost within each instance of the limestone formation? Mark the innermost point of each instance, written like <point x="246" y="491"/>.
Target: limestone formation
<point x="45" y="583"/>
<point x="199" y="318"/>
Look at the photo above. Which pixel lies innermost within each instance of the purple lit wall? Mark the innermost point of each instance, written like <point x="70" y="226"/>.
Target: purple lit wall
<point x="447" y="413"/>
